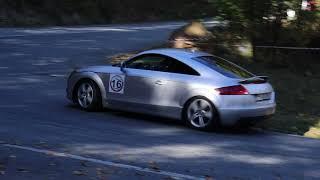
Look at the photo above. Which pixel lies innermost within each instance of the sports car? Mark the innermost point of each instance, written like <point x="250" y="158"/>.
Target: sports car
<point x="202" y="89"/>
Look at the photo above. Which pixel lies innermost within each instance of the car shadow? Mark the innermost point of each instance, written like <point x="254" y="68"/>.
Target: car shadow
<point x="231" y="130"/>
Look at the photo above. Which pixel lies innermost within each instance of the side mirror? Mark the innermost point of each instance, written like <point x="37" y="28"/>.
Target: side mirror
<point x="123" y="66"/>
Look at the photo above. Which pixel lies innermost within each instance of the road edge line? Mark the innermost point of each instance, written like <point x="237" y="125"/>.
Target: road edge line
<point x="104" y="162"/>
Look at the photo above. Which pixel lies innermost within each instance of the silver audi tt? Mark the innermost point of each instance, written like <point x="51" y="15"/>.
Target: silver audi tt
<point x="193" y="86"/>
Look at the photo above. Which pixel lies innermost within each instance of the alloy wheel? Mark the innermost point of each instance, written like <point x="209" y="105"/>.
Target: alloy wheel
<point x="85" y="95"/>
<point x="200" y="113"/>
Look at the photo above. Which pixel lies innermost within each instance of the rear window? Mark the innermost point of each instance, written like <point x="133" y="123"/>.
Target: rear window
<point x="224" y="67"/>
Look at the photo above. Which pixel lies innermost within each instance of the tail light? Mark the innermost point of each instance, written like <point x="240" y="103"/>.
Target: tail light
<point x="233" y="90"/>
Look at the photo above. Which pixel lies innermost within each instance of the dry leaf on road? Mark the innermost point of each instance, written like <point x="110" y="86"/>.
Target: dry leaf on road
<point x="22" y="170"/>
<point x="79" y="173"/>
<point x="12" y="156"/>
<point x="153" y="165"/>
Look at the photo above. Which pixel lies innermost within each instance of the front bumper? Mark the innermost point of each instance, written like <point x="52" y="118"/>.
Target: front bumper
<point x="231" y="116"/>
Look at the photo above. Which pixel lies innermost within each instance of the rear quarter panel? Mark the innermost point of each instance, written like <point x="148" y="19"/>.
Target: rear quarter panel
<point x="206" y="87"/>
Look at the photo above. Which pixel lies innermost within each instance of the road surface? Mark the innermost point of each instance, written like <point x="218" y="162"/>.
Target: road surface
<point x="43" y="136"/>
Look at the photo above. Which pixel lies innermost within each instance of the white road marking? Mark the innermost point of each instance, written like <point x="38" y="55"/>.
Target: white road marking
<point x="58" y="75"/>
<point x="80" y="30"/>
<point x="108" y="163"/>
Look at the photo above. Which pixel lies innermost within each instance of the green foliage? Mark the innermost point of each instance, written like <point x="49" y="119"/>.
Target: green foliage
<point x="294" y="73"/>
<point x="265" y="22"/>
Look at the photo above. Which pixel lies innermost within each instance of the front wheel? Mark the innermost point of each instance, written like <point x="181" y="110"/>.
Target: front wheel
<point x="201" y="114"/>
<point x="88" y="96"/>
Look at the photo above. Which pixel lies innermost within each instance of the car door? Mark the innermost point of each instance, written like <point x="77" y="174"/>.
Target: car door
<point x="142" y="86"/>
<point x="176" y="80"/>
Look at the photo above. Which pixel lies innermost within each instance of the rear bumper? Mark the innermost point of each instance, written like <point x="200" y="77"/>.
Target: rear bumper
<point x="231" y="116"/>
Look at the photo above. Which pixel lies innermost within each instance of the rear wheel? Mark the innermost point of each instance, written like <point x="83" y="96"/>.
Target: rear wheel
<point x="87" y="95"/>
<point x="201" y="114"/>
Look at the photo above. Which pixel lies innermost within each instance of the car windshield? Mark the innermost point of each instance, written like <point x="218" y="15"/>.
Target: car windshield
<point x="224" y="67"/>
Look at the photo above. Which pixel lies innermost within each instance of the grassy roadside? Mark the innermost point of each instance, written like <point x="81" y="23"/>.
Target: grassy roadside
<point x="298" y="100"/>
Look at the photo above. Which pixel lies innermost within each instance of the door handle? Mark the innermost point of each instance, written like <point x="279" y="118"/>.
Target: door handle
<point x="159" y="82"/>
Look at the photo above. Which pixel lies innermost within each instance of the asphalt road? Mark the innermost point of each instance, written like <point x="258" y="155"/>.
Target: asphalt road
<point x="35" y="116"/>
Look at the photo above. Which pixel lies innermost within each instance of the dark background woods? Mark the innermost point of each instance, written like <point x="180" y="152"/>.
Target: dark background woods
<point x="73" y="12"/>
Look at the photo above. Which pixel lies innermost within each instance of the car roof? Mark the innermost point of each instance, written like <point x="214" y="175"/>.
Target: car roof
<point x="177" y="53"/>
<point x="186" y="56"/>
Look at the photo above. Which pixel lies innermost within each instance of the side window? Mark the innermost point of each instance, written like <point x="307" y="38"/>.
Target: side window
<point x="149" y="62"/>
<point x="181" y="68"/>
<point x="155" y="62"/>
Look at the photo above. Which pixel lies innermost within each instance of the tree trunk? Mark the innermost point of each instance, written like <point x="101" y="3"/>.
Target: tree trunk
<point x="276" y="30"/>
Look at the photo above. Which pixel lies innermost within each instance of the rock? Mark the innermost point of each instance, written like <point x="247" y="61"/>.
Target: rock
<point x="190" y="35"/>
<point x="313" y="133"/>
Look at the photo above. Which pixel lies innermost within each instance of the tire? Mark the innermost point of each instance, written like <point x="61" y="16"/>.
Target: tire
<point x="199" y="113"/>
<point x="87" y="96"/>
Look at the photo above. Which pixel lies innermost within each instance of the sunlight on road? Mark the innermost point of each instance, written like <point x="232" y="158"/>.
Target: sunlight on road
<point x="68" y="30"/>
<point x="166" y="153"/>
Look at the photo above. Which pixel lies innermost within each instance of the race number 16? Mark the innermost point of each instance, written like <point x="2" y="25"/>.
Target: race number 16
<point x="116" y="83"/>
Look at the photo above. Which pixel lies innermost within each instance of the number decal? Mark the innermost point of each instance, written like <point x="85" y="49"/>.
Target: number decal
<point x="116" y="83"/>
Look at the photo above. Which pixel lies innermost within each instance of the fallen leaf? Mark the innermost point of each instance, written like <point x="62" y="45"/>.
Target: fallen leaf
<point x="153" y="165"/>
<point x="52" y="164"/>
<point x="207" y="177"/>
<point x="139" y="174"/>
<point x="16" y="143"/>
<point x="79" y="173"/>
<point x="84" y="164"/>
<point x="101" y="171"/>
<point x="98" y="169"/>
<point x="2" y="166"/>
<point x="22" y="170"/>
<point x="170" y="178"/>
<point x="42" y="144"/>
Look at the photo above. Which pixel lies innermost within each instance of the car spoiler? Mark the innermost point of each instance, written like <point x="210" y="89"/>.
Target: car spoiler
<point x="254" y="80"/>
